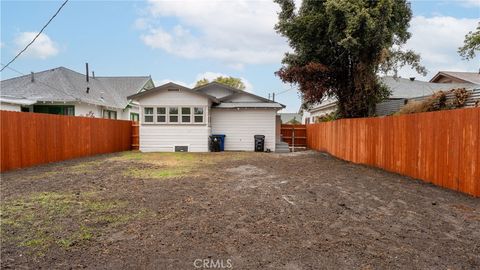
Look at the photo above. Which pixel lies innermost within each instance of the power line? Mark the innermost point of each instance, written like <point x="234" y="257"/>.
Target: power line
<point x="35" y="38"/>
<point x="284" y="91"/>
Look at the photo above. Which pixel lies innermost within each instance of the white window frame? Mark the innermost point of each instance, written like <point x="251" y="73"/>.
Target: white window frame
<point x="179" y="115"/>
<point x="161" y="114"/>
<point x="108" y="112"/>
<point x="152" y="115"/>
<point x="182" y="114"/>
<point x="194" y="115"/>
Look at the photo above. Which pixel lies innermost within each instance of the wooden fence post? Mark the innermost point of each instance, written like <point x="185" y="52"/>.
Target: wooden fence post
<point x="293" y="138"/>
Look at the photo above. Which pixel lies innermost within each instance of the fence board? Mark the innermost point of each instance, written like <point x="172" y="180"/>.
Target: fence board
<point x="442" y="148"/>
<point x="300" y="135"/>
<point x="28" y="139"/>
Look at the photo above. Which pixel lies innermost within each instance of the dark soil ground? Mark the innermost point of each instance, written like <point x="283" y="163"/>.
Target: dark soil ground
<point x="235" y="210"/>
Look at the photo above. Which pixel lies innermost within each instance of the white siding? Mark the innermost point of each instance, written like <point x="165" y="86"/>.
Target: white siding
<point x="163" y="137"/>
<point x="84" y="109"/>
<point x="241" y="125"/>
<point x="173" y="98"/>
<point x="125" y="114"/>
<point x="305" y="115"/>
<point x="10" y="107"/>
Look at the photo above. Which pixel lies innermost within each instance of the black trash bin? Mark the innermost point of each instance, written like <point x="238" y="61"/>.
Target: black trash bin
<point x="259" y="143"/>
<point x="215" y="143"/>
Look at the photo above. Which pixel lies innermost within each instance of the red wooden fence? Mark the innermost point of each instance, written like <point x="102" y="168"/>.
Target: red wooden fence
<point x="438" y="147"/>
<point x="294" y="135"/>
<point x="135" y="135"/>
<point x="28" y="139"/>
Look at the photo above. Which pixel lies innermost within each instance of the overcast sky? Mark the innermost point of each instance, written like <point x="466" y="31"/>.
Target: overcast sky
<point x="183" y="41"/>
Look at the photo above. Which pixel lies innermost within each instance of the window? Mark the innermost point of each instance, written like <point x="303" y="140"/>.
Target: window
<point x="109" y="114"/>
<point x="134" y="117"/>
<point x="173" y="115"/>
<point x="55" y="109"/>
<point x="161" y="115"/>
<point x="186" y="117"/>
<point x="148" y="115"/>
<point x="198" y="114"/>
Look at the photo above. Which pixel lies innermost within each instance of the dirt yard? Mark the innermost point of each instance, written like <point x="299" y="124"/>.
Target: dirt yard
<point x="233" y="210"/>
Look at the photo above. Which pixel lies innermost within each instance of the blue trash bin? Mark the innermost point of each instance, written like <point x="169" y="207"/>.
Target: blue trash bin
<point x="222" y="140"/>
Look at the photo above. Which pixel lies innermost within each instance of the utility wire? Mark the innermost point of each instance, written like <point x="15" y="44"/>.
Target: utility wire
<point x="284" y="91"/>
<point x="35" y="38"/>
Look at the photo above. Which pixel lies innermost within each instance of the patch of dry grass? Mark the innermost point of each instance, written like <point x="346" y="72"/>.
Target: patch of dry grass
<point x="84" y="167"/>
<point x="40" y="221"/>
<point x="167" y="165"/>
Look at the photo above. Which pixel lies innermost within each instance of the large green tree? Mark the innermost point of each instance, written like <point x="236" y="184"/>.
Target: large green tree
<point x="471" y="44"/>
<point x="230" y="81"/>
<point x="339" y="47"/>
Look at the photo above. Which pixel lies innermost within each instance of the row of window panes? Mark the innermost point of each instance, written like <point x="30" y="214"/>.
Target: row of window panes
<point x="109" y="114"/>
<point x="173" y="114"/>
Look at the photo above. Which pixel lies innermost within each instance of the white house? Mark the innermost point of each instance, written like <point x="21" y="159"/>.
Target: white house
<point x="64" y="91"/>
<point x="174" y="116"/>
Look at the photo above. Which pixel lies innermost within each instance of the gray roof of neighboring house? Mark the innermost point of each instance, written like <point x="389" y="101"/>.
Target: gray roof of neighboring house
<point x="17" y="101"/>
<point x="286" y="117"/>
<point x="471" y="77"/>
<point x="406" y="88"/>
<point x="64" y="85"/>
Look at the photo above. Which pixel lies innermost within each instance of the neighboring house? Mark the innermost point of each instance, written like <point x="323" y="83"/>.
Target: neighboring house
<point x="175" y="117"/>
<point x="401" y="89"/>
<point x="288" y="118"/>
<point x="406" y="89"/>
<point x="456" y="77"/>
<point x="328" y="105"/>
<point x="67" y="92"/>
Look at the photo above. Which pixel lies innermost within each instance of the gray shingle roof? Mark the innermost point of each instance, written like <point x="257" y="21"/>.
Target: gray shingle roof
<point x="64" y="85"/>
<point x="236" y="91"/>
<point x="472" y="77"/>
<point x="230" y="105"/>
<point x="405" y="88"/>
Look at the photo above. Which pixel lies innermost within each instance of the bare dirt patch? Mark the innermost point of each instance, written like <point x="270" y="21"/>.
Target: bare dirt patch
<point x="294" y="211"/>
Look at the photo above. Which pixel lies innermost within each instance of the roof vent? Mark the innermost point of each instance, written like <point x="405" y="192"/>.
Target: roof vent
<point x="86" y="73"/>
<point x="32" y="76"/>
<point x="173" y="89"/>
<point x="412" y="79"/>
